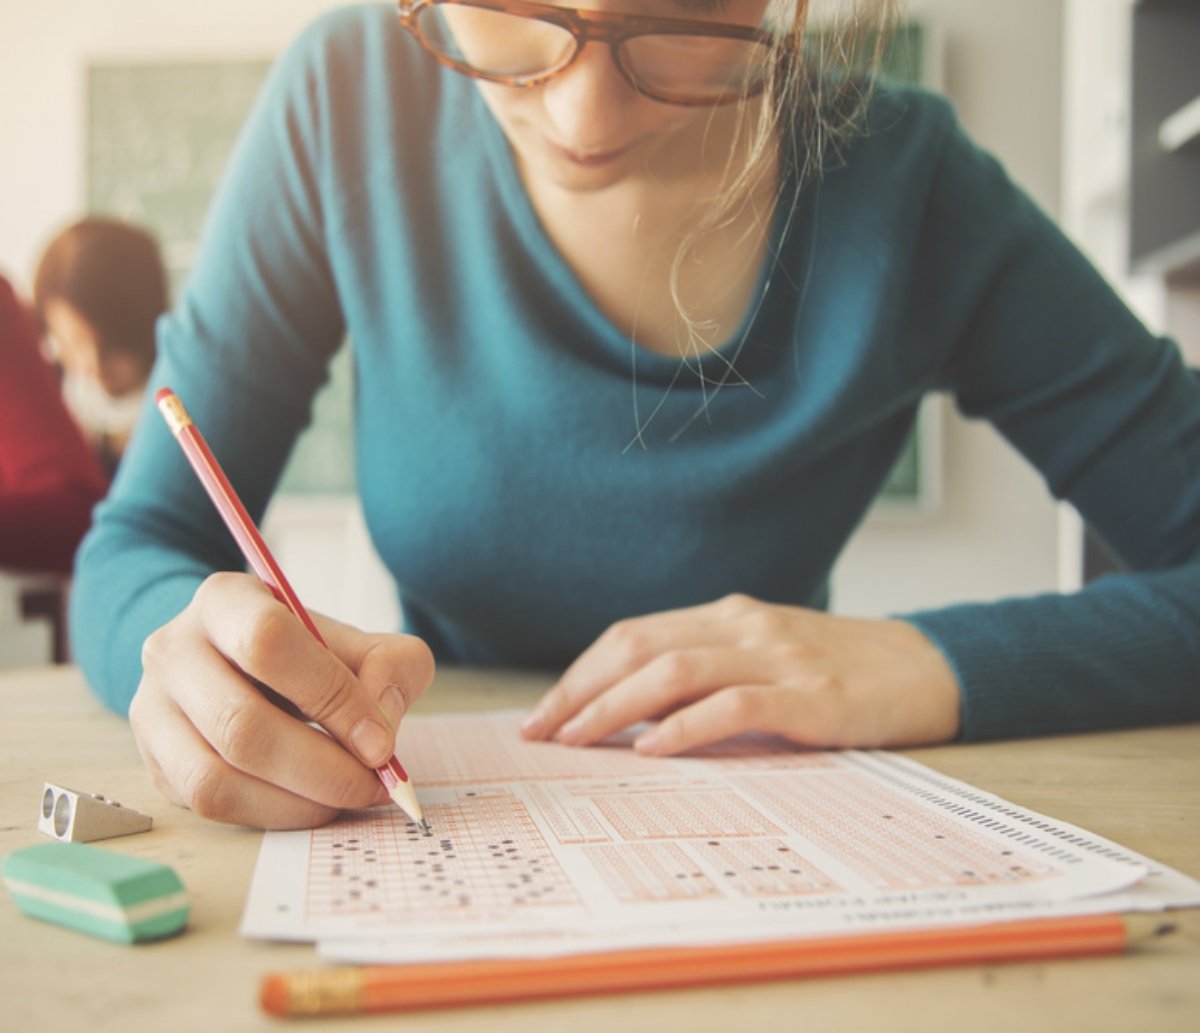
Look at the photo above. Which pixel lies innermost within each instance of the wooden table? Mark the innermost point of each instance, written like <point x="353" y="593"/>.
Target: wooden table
<point x="1139" y="788"/>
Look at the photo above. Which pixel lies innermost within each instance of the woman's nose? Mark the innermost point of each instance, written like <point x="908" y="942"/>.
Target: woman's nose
<point x="588" y="102"/>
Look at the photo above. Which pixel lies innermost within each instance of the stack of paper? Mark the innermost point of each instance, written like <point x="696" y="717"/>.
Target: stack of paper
<point x="540" y="849"/>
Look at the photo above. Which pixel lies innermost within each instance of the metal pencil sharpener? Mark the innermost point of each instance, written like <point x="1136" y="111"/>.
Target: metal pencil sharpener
<point x="76" y="817"/>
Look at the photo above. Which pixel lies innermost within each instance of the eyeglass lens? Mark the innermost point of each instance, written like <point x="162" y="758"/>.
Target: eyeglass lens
<point x="512" y="47"/>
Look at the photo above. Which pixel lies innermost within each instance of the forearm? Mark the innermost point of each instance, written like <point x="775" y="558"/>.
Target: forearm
<point x="121" y="594"/>
<point x="1124" y="651"/>
<point x="157" y="536"/>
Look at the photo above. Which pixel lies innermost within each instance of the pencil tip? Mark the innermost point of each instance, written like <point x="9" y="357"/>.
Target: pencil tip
<point x="425" y="827"/>
<point x="1144" y="928"/>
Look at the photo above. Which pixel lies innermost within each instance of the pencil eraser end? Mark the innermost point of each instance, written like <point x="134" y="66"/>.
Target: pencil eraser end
<point x="273" y="995"/>
<point x="95" y="891"/>
<point x="163" y="393"/>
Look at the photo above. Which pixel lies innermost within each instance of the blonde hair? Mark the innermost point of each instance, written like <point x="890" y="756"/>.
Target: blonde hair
<point x="812" y="107"/>
<point x="820" y="97"/>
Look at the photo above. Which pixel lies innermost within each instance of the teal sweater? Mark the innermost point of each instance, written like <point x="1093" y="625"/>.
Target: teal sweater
<point x="529" y="477"/>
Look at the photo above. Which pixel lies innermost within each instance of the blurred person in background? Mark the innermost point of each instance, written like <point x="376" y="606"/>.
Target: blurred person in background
<point x="99" y="289"/>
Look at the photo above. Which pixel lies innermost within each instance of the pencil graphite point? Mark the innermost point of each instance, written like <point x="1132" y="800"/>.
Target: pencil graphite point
<point x="404" y="797"/>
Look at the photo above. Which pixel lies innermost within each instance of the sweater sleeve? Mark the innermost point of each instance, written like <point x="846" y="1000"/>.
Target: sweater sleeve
<point x="246" y="349"/>
<point x="1110" y="416"/>
<point x="49" y="478"/>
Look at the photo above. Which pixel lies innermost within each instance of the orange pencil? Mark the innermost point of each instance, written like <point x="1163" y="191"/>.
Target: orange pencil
<point x="384" y="988"/>
<point x="199" y="455"/>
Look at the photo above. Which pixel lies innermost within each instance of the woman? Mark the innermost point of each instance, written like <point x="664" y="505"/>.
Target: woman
<point x="638" y="337"/>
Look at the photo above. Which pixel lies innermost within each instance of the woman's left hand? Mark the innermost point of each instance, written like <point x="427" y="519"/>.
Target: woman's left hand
<point x="741" y="665"/>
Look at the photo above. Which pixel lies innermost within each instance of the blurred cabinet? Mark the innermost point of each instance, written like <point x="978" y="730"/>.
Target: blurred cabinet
<point x="1164" y="213"/>
<point x="1131" y="72"/>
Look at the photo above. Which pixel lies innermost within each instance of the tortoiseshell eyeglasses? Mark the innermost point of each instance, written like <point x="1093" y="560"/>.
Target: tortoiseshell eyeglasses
<point x="522" y="43"/>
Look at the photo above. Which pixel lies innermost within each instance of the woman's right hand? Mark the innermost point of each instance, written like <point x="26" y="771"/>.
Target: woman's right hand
<point x="214" y="742"/>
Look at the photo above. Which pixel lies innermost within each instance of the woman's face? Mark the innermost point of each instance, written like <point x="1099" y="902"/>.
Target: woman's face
<point x="81" y="356"/>
<point x="588" y="129"/>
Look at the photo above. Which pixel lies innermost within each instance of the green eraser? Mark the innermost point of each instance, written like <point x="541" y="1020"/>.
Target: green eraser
<point x="97" y="891"/>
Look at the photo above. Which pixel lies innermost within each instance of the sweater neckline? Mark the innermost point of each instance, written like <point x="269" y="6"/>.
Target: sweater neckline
<point x="724" y="363"/>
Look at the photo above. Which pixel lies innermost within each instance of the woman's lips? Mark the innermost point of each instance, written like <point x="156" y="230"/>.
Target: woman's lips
<point x="587" y="159"/>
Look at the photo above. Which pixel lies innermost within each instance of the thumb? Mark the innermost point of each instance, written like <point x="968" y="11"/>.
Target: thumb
<point x="395" y="670"/>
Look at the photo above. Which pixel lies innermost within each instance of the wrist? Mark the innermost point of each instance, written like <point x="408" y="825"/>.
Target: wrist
<point x="935" y="683"/>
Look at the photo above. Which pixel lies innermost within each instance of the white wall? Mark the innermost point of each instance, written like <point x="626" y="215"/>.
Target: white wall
<point x="995" y="532"/>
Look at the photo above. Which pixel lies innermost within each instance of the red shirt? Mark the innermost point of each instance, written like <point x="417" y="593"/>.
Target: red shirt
<point x="49" y="477"/>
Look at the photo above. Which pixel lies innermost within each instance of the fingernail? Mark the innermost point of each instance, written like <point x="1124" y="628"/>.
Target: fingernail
<point x="572" y="729"/>
<point x="648" y="743"/>
<point x="392" y="704"/>
<point x="533" y="725"/>
<point x="371" y="740"/>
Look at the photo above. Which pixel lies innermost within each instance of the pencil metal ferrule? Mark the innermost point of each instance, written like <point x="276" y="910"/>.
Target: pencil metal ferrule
<point x="326" y="992"/>
<point x="174" y="413"/>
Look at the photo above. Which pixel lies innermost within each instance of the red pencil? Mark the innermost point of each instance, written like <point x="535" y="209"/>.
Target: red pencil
<point x="392" y="774"/>
<point x="383" y="988"/>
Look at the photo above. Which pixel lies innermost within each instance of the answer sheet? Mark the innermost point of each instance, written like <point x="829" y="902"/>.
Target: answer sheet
<point x="537" y="849"/>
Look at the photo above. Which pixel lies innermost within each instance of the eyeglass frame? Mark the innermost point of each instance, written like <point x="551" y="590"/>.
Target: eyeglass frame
<point x="592" y="26"/>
